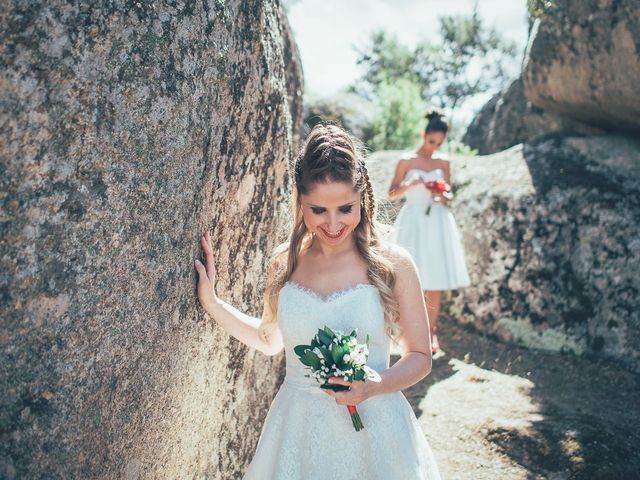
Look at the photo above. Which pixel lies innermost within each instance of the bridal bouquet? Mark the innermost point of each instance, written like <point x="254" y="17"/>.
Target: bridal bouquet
<point x="334" y="354"/>
<point x="438" y="187"/>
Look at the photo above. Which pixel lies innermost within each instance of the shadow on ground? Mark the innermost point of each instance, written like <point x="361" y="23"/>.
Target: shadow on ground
<point x="558" y="416"/>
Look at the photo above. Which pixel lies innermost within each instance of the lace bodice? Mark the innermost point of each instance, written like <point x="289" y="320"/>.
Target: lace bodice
<point x="302" y="311"/>
<point x="418" y="193"/>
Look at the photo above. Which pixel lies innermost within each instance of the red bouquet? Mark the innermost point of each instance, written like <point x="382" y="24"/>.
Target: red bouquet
<point x="438" y="188"/>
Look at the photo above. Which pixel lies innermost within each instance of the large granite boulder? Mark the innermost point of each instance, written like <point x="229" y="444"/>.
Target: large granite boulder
<point x="509" y="118"/>
<point x="551" y="231"/>
<point x="127" y="129"/>
<point x="583" y="61"/>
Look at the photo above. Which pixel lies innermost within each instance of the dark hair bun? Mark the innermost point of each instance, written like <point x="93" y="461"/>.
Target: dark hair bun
<point x="436" y="121"/>
<point x="433" y="113"/>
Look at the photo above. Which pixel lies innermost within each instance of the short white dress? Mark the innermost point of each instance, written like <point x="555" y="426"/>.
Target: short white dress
<point x="432" y="239"/>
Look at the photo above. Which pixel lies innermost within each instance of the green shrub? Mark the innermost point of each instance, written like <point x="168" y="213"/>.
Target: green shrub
<point x="399" y="115"/>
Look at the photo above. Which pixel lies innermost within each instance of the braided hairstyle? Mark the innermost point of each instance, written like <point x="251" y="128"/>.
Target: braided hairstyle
<point x="331" y="155"/>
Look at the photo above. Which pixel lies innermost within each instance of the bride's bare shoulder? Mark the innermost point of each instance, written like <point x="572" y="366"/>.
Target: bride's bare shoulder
<point x="407" y="277"/>
<point x="280" y="252"/>
<point x="408" y="158"/>
<point x="277" y="261"/>
<point x="283" y="247"/>
<point x="397" y="255"/>
<point x="278" y="258"/>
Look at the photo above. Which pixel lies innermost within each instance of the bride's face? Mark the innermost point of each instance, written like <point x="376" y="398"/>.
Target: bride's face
<point x="432" y="141"/>
<point x="331" y="211"/>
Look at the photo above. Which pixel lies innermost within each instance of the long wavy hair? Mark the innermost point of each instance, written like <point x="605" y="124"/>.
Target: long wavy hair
<point x="330" y="154"/>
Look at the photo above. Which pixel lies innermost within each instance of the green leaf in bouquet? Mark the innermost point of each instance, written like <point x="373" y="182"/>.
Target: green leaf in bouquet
<point x="306" y="361"/>
<point x="300" y="349"/>
<point x="367" y="340"/>
<point x="336" y="353"/>
<point x="336" y="387"/>
<point x="354" y="333"/>
<point x="329" y="332"/>
<point x="324" y="338"/>
<point x="326" y="353"/>
<point x="359" y="375"/>
<point x="311" y="360"/>
<point x="315" y="343"/>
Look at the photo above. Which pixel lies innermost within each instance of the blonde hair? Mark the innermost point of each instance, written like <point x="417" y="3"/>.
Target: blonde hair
<point x="331" y="155"/>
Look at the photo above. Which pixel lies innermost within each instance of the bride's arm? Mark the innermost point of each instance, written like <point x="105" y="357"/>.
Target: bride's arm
<point x="236" y="323"/>
<point x="415" y="363"/>
<point x="398" y="185"/>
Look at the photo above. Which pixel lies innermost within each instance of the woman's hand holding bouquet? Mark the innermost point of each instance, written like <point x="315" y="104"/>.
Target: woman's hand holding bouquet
<point x="440" y="190"/>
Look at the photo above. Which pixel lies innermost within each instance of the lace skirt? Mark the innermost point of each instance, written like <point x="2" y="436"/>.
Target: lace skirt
<point x="308" y="436"/>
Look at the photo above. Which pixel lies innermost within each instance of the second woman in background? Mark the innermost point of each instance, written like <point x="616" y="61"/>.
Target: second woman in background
<point x="425" y="226"/>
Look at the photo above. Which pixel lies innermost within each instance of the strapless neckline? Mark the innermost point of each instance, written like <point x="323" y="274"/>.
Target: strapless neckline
<point x="424" y="171"/>
<point x="333" y="296"/>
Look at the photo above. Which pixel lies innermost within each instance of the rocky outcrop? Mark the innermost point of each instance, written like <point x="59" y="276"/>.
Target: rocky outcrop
<point x="509" y="119"/>
<point x="127" y="129"/>
<point x="346" y="109"/>
<point x="294" y="77"/>
<point x="551" y="234"/>
<point x="583" y="61"/>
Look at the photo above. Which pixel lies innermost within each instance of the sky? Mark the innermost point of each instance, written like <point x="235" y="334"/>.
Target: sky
<point x="327" y="30"/>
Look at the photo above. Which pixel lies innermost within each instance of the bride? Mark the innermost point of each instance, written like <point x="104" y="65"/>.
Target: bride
<point x="336" y="271"/>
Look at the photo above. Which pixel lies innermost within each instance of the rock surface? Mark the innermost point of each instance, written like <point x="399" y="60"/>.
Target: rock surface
<point x="128" y="129"/>
<point x="509" y="119"/>
<point x="583" y="61"/>
<point x="551" y="235"/>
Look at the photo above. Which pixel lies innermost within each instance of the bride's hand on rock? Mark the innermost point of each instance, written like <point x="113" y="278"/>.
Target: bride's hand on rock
<point x="206" y="274"/>
<point x="358" y="393"/>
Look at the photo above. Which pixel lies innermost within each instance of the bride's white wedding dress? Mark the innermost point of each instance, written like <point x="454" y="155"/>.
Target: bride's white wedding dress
<point x="306" y="434"/>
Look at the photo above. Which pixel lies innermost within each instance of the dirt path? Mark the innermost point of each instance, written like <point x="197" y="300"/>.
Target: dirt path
<point x="496" y="411"/>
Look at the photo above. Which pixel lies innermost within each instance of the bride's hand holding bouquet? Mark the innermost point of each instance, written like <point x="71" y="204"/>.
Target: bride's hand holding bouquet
<point x="440" y="190"/>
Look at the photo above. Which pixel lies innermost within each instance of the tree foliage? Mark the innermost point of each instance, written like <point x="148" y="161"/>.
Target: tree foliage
<point x="384" y="60"/>
<point x="398" y="116"/>
<point x="466" y="59"/>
